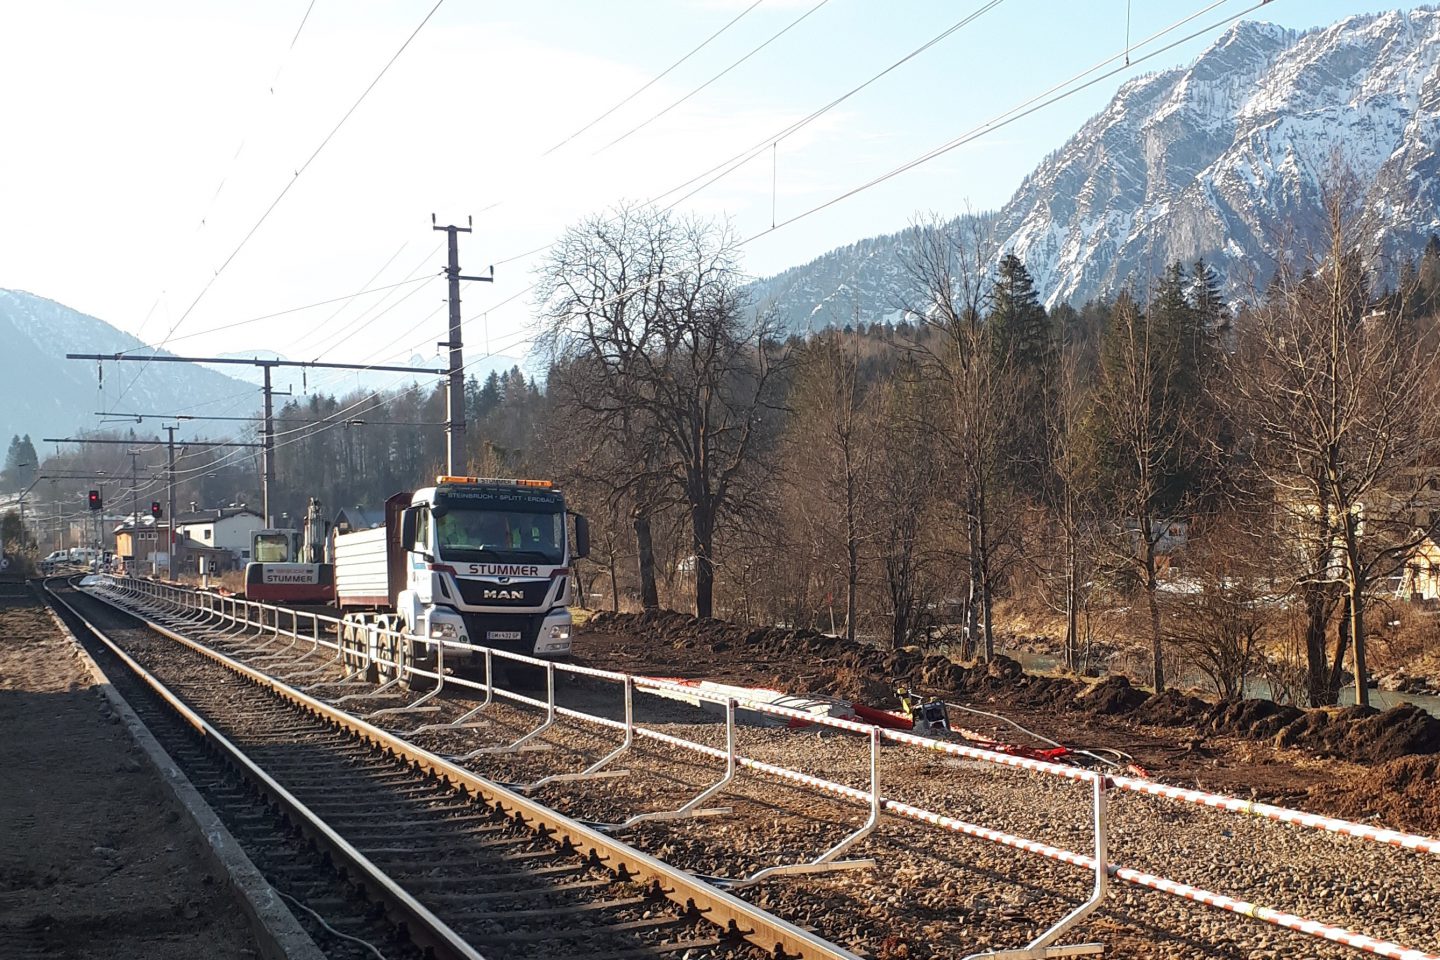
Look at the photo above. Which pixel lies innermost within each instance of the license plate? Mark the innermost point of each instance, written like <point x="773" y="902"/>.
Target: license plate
<point x="502" y="635"/>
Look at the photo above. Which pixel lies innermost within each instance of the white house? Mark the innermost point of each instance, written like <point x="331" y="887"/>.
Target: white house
<point x="226" y="528"/>
<point x="1421" y="577"/>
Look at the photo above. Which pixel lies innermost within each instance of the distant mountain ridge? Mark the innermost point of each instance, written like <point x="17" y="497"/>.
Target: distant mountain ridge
<point x="1225" y="159"/>
<point x="48" y="395"/>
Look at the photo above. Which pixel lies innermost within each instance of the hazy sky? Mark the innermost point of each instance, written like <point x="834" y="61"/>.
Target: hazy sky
<point x="144" y="140"/>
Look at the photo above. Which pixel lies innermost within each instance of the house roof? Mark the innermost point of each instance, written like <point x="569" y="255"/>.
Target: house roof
<point x="210" y="516"/>
<point x="359" y="518"/>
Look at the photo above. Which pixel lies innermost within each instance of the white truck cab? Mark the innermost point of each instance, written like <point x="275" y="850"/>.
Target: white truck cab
<point x="470" y="560"/>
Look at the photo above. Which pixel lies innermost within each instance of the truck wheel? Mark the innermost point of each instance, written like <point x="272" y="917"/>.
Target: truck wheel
<point x="405" y="657"/>
<point x="349" y="658"/>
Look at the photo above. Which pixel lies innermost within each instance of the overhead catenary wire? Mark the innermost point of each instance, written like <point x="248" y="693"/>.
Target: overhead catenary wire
<point x="210" y="282"/>
<point x="225" y="175"/>
<point x="655" y="79"/>
<point x="745" y="156"/>
<point x="1025" y="108"/>
<point x="1038" y="102"/>
<point x="773" y="139"/>
<point x="286" y="312"/>
<point x="306" y="431"/>
<point x="776" y="36"/>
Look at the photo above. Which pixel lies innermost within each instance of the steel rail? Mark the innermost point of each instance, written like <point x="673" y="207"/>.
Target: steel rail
<point x="423" y="926"/>
<point x="743" y="919"/>
<point x="1099" y="865"/>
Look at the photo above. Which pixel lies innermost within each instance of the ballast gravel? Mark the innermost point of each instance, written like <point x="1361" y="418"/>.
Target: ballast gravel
<point x="932" y="892"/>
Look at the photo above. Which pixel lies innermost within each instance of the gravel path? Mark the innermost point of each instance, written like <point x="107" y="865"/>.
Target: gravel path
<point x="97" y="859"/>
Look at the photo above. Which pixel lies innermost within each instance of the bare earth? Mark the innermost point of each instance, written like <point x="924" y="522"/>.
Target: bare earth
<point x="96" y="861"/>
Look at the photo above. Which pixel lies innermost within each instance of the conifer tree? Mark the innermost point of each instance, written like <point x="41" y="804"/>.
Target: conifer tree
<point x="1025" y="358"/>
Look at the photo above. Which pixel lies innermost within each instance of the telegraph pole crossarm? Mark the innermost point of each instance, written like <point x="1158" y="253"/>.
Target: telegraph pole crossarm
<point x="311" y="364"/>
<point x="141" y="443"/>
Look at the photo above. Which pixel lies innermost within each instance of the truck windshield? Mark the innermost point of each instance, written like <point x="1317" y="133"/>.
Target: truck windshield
<point x="501" y="536"/>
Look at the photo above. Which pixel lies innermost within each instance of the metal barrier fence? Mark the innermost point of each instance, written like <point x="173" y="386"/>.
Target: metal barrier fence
<point x="360" y="648"/>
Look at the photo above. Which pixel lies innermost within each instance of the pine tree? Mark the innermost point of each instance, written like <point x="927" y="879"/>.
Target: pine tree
<point x="1212" y="314"/>
<point x="21" y="463"/>
<point x="489" y="396"/>
<point x="1025" y="356"/>
<point x="1021" y="327"/>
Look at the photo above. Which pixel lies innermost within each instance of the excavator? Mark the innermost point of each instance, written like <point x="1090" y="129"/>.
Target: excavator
<point x="292" y="566"/>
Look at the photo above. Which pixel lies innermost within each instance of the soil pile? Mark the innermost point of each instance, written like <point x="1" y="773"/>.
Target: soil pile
<point x="1404" y="792"/>
<point x="809" y="660"/>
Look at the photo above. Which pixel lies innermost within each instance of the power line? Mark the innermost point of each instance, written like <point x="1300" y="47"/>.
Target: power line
<point x="281" y="313"/>
<point x="286" y="189"/>
<point x="745" y="156"/>
<point x="655" y="79"/>
<point x="794" y="23"/>
<point x="994" y="124"/>
<point x="1024" y="110"/>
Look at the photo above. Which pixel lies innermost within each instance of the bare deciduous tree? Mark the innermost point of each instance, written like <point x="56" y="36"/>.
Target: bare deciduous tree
<point x="945" y="264"/>
<point x="831" y="449"/>
<point x="1339" y="394"/>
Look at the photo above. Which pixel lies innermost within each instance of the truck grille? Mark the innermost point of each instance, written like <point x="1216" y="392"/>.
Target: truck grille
<point x="490" y="593"/>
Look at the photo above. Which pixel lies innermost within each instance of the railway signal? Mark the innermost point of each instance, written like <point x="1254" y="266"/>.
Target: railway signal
<point x="155" y="510"/>
<point x="95" y="500"/>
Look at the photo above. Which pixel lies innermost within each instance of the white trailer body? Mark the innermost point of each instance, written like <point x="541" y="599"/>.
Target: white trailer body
<point x="362" y="572"/>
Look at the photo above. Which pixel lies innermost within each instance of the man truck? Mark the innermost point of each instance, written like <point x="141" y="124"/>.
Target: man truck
<point x="469" y="561"/>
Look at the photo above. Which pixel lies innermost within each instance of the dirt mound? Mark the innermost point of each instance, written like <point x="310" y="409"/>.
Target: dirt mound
<point x="1251" y="719"/>
<point x="809" y="660"/>
<point x="1363" y="734"/>
<point x="1112" y="696"/>
<point x="1055" y="693"/>
<point x="1404" y="793"/>
<point x="1172" y="709"/>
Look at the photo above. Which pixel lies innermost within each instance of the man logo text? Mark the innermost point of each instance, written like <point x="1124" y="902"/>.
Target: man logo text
<point x="503" y="595"/>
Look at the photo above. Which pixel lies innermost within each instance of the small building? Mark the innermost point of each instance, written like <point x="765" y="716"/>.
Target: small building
<point x="137" y="544"/>
<point x="350" y="519"/>
<point x="223" y="528"/>
<point x="1420" y="580"/>
<point x="141" y="550"/>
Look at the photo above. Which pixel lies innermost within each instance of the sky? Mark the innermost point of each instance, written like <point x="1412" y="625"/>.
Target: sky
<point x="180" y="168"/>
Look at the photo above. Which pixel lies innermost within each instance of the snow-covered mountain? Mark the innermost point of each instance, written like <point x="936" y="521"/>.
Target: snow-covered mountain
<point x="1225" y="159"/>
<point x="46" y="395"/>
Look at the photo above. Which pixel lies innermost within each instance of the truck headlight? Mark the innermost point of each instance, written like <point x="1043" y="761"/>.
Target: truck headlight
<point x="560" y="632"/>
<point x="444" y="631"/>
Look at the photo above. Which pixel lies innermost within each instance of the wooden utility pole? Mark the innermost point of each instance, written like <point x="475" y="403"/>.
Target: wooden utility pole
<point x="455" y="385"/>
<point x="267" y="451"/>
<point x="174" y="545"/>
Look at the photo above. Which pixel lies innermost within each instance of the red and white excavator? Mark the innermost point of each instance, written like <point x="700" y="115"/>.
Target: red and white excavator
<point x="292" y="566"/>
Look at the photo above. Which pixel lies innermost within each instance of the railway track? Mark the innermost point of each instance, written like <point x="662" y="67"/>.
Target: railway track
<point x="450" y="863"/>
